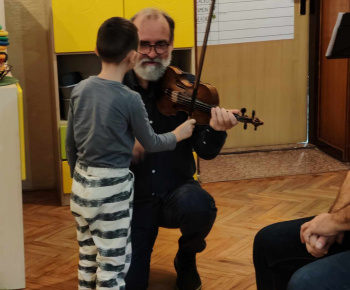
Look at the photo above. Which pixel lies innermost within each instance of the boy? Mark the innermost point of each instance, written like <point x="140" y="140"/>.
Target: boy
<point x="104" y="119"/>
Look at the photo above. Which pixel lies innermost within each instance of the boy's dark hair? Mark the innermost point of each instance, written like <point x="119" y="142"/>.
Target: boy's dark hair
<point x="116" y="37"/>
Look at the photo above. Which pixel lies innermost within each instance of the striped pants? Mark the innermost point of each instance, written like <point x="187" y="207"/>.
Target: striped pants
<point x="101" y="203"/>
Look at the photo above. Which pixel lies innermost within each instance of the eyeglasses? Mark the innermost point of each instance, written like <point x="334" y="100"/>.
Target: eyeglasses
<point x="160" y="47"/>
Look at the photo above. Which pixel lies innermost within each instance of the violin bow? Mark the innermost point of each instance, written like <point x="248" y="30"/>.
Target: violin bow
<point x="201" y="61"/>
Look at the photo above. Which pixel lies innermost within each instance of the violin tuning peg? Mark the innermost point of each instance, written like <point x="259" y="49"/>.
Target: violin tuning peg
<point x="253" y="114"/>
<point x="243" y="110"/>
<point x="245" y="126"/>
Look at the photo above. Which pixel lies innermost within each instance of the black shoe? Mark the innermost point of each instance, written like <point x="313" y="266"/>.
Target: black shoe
<point x="187" y="274"/>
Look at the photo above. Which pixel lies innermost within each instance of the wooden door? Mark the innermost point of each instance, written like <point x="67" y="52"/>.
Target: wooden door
<point x="333" y="99"/>
<point x="270" y="77"/>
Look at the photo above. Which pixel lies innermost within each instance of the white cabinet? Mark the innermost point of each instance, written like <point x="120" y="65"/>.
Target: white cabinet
<point x="12" y="271"/>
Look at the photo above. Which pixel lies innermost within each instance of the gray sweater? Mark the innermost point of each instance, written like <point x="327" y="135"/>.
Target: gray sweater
<point x="104" y="119"/>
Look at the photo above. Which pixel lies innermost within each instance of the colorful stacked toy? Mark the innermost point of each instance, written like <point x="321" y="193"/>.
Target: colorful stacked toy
<point x="4" y="42"/>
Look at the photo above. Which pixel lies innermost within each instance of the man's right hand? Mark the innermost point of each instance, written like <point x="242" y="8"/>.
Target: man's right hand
<point x="185" y="130"/>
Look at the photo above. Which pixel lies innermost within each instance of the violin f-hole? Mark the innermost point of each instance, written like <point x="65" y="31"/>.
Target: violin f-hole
<point x="178" y="84"/>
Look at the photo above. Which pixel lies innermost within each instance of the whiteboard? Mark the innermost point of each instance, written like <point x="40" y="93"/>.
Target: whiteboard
<point x="238" y="21"/>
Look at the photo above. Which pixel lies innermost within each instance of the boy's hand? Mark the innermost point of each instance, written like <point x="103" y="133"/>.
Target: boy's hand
<point x="185" y="130"/>
<point x="138" y="153"/>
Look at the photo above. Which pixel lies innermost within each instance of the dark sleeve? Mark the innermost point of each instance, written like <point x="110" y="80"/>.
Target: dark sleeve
<point x="207" y="142"/>
<point x="71" y="148"/>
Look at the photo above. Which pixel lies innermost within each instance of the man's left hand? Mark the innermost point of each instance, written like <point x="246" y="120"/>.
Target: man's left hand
<point x="318" y="246"/>
<point x="222" y="119"/>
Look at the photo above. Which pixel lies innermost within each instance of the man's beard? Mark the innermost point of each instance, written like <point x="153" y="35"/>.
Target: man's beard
<point x="152" y="72"/>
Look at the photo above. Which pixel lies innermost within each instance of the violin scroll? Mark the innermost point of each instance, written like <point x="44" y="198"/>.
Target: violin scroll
<point x="243" y="118"/>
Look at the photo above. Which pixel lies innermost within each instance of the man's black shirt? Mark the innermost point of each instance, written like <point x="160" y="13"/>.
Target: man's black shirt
<point x="162" y="172"/>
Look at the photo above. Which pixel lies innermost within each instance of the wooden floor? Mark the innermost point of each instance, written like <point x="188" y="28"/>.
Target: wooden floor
<point x="244" y="207"/>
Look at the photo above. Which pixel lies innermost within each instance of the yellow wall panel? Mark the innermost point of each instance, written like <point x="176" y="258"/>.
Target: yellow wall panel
<point x="76" y="22"/>
<point x="182" y="11"/>
<point x="67" y="180"/>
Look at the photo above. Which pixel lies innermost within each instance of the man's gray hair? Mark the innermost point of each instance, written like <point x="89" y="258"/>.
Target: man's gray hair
<point x="153" y="13"/>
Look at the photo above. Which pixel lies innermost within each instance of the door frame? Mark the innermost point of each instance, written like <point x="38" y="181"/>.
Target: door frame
<point x="314" y="58"/>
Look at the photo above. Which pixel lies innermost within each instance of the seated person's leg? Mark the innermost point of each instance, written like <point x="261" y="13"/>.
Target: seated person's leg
<point x="330" y="273"/>
<point x="278" y="253"/>
<point x="144" y="230"/>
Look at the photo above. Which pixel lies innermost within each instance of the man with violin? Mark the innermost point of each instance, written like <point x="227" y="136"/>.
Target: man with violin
<point x="166" y="195"/>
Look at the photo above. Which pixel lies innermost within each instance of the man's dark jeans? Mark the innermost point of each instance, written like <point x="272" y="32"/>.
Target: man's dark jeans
<point x="189" y="208"/>
<point x="280" y="258"/>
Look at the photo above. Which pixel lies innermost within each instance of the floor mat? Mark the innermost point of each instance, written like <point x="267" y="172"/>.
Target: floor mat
<point x="267" y="164"/>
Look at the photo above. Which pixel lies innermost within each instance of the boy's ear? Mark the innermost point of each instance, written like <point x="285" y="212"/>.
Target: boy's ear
<point x="132" y="57"/>
<point x="96" y="51"/>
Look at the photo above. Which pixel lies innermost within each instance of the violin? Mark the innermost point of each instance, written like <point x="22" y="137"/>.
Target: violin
<point x="196" y="99"/>
<point x="177" y="94"/>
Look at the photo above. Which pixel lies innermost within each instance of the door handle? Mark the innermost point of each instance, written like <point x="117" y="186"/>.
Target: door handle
<point x="302" y="7"/>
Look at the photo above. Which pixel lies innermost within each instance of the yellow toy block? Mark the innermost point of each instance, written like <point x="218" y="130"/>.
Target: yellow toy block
<point x="63" y="132"/>
<point x="195" y="176"/>
<point x="66" y="179"/>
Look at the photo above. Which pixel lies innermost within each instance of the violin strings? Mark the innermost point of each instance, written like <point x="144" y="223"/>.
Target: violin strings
<point x="184" y="100"/>
<point x="178" y="97"/>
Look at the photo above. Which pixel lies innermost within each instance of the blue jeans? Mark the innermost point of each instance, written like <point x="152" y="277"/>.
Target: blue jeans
<point x="189" y="208"/>
<point x="280" y="258"/>
<point x="331" y="273"/>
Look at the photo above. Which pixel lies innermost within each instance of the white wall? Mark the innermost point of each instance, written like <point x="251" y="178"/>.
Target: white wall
<point x="2" y="14"/>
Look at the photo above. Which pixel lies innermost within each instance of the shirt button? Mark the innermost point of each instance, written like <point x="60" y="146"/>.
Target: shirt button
<point x="204" y="142"/>
<point x="153" y="171"/>
<point x="150" y="121"/>
<point x="208" y="130"/>
<point x="153" y="193"/>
